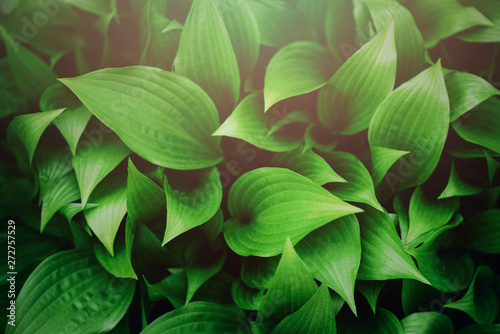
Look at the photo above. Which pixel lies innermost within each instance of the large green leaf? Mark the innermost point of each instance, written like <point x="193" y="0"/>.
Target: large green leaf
<point x="383" y="255"/>
<point x="415" y="117"/>
<point x="308" y="164"/>
<point x="173" y="131"/>
<point x="314" y="317"/>
<point x="351" y="97"/>
<point x="333" y="253"/>
<point x="269" y="204"/>
<point x="188" y="208"/>
<point x="249" y="123"/>
<point x="480" y="126"/>
<point x="438" y="20"/>
<point x="481" y="232"/>
<point x="488" y="34"/>
<point x="291" y="287"/>
<point x="70" y="292"/>
<point x="199" y="318"/>
<point x="206" y="55"/>
<point x="298" y="68"/>
<point x="427" y="323"/>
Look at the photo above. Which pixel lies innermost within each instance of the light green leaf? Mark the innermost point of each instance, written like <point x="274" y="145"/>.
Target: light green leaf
<point x="295" y="116"/>
<point x="383" y="159"/>
<point x="30" y="127"/>
<point x="268" y="204"/>
<point x="32" y="75"/>
<point x="316" y="11"/>
<point x="480" y="301"/>
<point x="173" y="131"/>
<point x="427" y="213"/>
<point x="291" y="287"/>
<point x="257" y="272"/>
<point x="298" y="68"/>
<point x="308" y="164"/>
<point x="481" y="232"/>
<point x="188" y="208"/>
<point x="104" y="220"/>
<point x="206" y="55"/>
<point x="70" y="210"/>
<point x="457" y="187"/>
<point x="489" y="34"/>
<point x="280" y="23"/>
<point x="359" y="187"/>
<point x="333" y="253"/>
<point x="480" y="126"/>
<point x="249" y="123"/>
<point x="64" y="192"/>
<point x="381" y="322"/>
<point x="438" y="20"/>
<point x="427" y="323"/>
<point x="383" y="256"/>
<point x="199" y="318"/>
<point x="351" y="97"/>
<point x="145" y="199"/>
<point x="245" y="297"/>
<point x="340" y="29"/>
<point x="243" y="31"/>
<point x="414" y="117"/>
<point x="70" y="291"/>
<point x="314" y="317"/>
<point x="94" y="162"/>
<point x="371" y="291"/>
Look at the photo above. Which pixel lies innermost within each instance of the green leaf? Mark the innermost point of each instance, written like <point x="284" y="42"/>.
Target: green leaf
<point x="493" y="168"/>
<point x="316" y="11"/>
<point x="314" y="317"/>
<point x="243" y="31"/>
<point x="249" y="123"/>
<point x="295" y="116"/>
<point x="269" y="204"/>
<point x="71" y="123"/>
<point x="257" y="272"/>
<point x="480" y="301"/>
<point x="371" y="291"/>
<point x="12" y="102"/>
<point x="480" y="126"/>
<point x="291" y="287"/>
<point x="428" y="213"/>
<point x="481" y="232"/>
<point x="457" y="187"/>
<point x="333" y="253"/>
<point x="32" y="75"/>
<point x="414" y="117"/>
<point x="30" y="127"/>
<point x="145" y="199"/>
<point x="466" y="91"/>
<point x="359" y="187"/>
<point x="383" y="256"/>
<point x="480" y="329"/>
<point x="173" y="287"/>
<point x="308" y="164"/>
<point x="381" y="322"/>
<point x="198" y="318"/>
<point x="489" y="34"/>
<point x="206" y="55"/>
<point x="94" y="162"/>
<point x="351" y="97"/>
<point x="298" y="68"/>
<point x="188" y="208"/>
<point x="173" y="131"/>
<point x="64" y="192"/>
<point x="70" y="291"/>
<point x="246" y="297"/>
<point x="383" y="159"/>
<point x="438" y="20"/>
<point x="280" y="24"/>
<point x="427" y="323"/>
<point x="340" y="28"/>
<point x="104" y="220"/>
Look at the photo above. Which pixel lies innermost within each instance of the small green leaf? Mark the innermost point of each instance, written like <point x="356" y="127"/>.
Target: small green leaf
<point x="333" y="253"/>
<point x="308" y="164"/>
<point x="481" y="232"/>
<point x="70" y="291"/>
<point x="414" y="117"/>
<point x="173" y="131"/>
<point x="480" y="301"/>
<point x="246" y="297"/>
<point x="457" y="187"/>
<point x="383" y="159"/>
<point x="383" y="256"/>
<point x="189" y="208"/>
<point x="351" y="97"/>
<point x="206" y="55"/>
<point x="314" y="317"/>
<point x="93" y="163"/>
<point x="371" y="291"/>
<point x="298" y="68"/>
<point x="269" y="204"/>
<point x="427" y="323"/>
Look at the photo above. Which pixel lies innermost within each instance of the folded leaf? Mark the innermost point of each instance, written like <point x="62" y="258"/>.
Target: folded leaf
<point x="481" y="232"/>
<point x="298" y="68"/>
<point x="269" y="204"/>
<point x="206" y="55"/>
<point x="383" y="159"/>
<point x="173" y="131"/>
<point x="351" y="97"/>
<point x="427" y="323"/>
<point x="415" y="117"/>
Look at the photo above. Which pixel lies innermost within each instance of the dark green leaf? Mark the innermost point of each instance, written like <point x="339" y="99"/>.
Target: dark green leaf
<point x="427" y="323"/>
<point x="481" y="232"/>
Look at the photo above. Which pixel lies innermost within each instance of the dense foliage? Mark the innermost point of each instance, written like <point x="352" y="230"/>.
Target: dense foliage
<point x="251" y="166"/>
